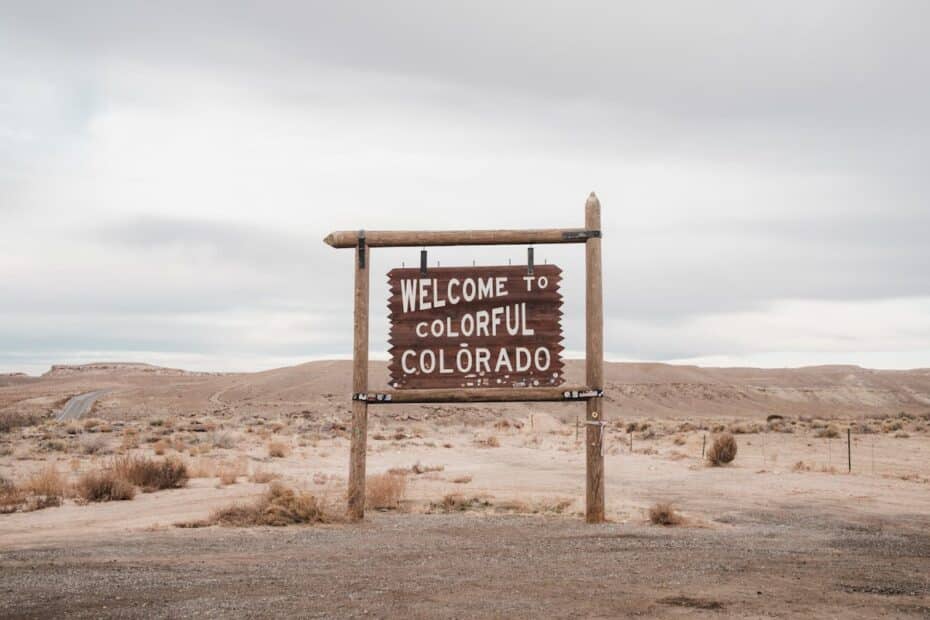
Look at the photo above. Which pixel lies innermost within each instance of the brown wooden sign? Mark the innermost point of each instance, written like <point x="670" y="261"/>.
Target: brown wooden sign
<point x="476" y="327"/>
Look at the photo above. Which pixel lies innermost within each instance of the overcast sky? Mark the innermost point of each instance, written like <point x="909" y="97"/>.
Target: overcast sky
<point x="168" y="171"/>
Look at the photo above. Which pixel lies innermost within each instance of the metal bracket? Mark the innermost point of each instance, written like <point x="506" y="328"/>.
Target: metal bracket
<point x="365" y="397"/>
<point x="361" y="249"/>
<point x="602" y="435"/>
<point x="585" y="395"/>
<point x="423" y="262"/>
<point x="581" y="235"/>
<point x="529" y="261"/>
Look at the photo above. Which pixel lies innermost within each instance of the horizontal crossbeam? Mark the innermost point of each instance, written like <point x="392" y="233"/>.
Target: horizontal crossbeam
<point x="479" y="395"/>
<point x="423" y="238"/>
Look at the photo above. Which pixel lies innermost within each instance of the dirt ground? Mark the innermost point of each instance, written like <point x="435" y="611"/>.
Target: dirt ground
<point x="790" y="561"/>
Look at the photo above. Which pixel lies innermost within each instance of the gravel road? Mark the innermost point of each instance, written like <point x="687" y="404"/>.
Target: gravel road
<point x="79" y="405"/>
<point x="785" y="564"/>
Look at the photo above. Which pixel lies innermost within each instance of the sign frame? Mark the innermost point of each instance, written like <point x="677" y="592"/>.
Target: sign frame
<point x="591" y="393"/>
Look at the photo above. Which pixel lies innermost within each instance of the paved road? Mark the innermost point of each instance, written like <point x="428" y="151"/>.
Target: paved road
<point x="79" y="405"/>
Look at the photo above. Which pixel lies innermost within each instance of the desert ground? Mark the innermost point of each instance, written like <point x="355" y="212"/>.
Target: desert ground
<point x="474" y="511"/>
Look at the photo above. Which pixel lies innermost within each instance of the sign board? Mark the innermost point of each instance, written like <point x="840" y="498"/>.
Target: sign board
<point x="470" y="327"/>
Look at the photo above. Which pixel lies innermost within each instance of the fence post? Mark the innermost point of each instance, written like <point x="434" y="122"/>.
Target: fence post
<point x="849" y="447"/>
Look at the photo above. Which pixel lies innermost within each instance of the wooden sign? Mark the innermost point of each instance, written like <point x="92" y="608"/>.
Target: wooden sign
<point x="476" y="327"/>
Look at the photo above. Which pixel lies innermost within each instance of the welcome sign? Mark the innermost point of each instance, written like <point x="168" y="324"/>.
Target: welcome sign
<point x="461" y="327"/>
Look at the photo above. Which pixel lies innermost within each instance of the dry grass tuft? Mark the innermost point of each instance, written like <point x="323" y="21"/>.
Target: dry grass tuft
<point x="278" y="449"/>
<point x="263" y="476"/>
<point x="280" y="506"/>
<point x="152" y="474"/>
<point x="229" y="473"/>
<point x="104" y="486"/>
<point x="11" y="496"/>
<point x="95" y="444"/>
<point x="10" y="420"/>
<point x="664" y="513"/>
<point x="828" y="432"/>
<point x="418" y="468"/>
<point x="456" y="502"/>
<point x="48" y="482"/>
<point x="489" y="442"/>
<point x="722" y="450"/>
<point x="462" y="479"/>
<point x="44" y="489"/>
<point x="384" y="491"/>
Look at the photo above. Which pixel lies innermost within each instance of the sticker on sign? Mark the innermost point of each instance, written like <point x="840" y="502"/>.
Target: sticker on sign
<point x="460" y="327"/>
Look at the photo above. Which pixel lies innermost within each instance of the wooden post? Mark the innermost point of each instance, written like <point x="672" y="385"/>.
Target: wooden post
<point x="849" y="447"/>
<point x="356" y="492"/>
<point x="594" y="364"/>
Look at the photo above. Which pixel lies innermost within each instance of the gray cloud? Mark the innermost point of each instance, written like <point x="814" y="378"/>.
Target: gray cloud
<point x="744" y="155"/>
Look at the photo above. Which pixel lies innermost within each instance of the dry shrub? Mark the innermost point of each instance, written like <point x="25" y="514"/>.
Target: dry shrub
<point x="10" y="420"/>
<point x="95" y="444"/>
<point x="11" y="496"/>
<point x="462" y="479"/>
<point x="745" y="428"/>
<point x="278" y="449"/>
<point x="104" y="486"/>
<point x="489" y="442"/>
<point x="664" y="513"/>
<point x="456" y="502"/>
<point x="201" y="467"/>
<point x="280" y="506"/>
<point x="679" y="440"/>
<point x="224" y="440"/>
<point x="417" y="468"/>
<point x="45" y="488"/>
<point x="384" y="491"/>
<point x="228" y="473"/>
<point x="263" y="476"/>
<point x="152" y="474"/>
<point x="801" y="466"/>
<point x="160" y="446"/>
<point x="722" y="450"/>
<point x="828" y="432"/>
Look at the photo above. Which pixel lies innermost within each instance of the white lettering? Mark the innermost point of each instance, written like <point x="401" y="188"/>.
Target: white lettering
<point x="485" y="288"/>
<point x="428" y="368"/>
<point x="526" y="330"/>
<point x="442" y="363"/>
<point x="463" y="368"/>
<point x="453" y="298"/>
<point x="514" y="329"/>
<point x="499" y="290"/>
<point x="482" y="357"/>
<point x="417" y="329"/>
<point x="503" y="358"/>
<point x="408" y="292"/>
<point x="468" y="289"/>
<point x="403" y="362"/>
<point x="482" y="318"/>
<point x="424" y="294"/>
<point x="496" y="314"/>
<point x="437" y="303"/>
<point x="468" y="325"/>
<point x="536" y="358"/>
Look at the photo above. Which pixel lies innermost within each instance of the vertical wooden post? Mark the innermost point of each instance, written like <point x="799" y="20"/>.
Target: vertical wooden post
<point x="594" y="364"/>
<point x="849" y="447"/>
<point x="356" y="492"/>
